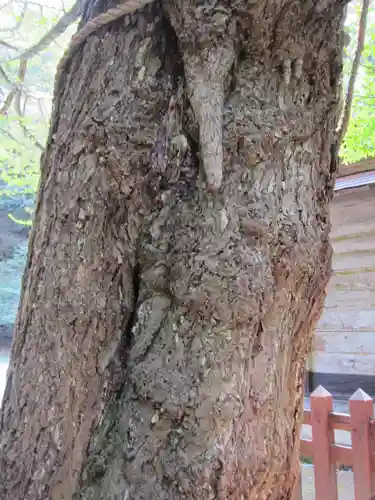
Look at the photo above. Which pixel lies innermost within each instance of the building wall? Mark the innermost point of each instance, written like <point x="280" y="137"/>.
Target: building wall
<point x="344" y="354"/>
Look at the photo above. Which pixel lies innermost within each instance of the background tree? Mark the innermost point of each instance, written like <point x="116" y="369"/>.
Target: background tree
<point x="163" y="329"/>
<point x="359" y="140"/>
<point x="26" y="85"/>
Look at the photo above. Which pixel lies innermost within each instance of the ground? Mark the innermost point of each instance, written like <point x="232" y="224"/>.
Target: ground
<point x="345" y="484"/>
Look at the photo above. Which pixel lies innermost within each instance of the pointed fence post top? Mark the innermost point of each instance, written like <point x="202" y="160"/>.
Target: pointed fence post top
<point x="320" y="392"/>
<point x="360" y="395"/>
<point x="321" y="401"/>
<point x="361" y="406"/>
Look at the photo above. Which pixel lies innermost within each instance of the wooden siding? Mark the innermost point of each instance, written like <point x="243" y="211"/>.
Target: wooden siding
<point x="344" y="364"/>
<point x="345" y="336"/>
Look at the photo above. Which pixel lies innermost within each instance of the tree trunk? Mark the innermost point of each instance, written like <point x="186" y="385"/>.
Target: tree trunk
<point x="163" y="329"/>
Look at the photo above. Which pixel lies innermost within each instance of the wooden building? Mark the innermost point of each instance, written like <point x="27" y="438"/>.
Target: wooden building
<point x="343" y="358"/>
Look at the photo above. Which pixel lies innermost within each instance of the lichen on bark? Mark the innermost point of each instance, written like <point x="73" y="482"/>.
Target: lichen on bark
<point x="163" y="329"/>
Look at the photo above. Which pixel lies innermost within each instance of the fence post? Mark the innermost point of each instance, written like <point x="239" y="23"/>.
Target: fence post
<point x="361" y="411"/>
<point x="323" y="436"/>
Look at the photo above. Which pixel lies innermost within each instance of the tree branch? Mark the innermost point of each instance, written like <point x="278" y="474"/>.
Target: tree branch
<point x="345" y="117"/>
<point x="11" y="136"/>
<point x="5" y="76"/>
<point x="15" y="94"/>
<point x="29" y="135"/>
<point x="58" y="29"/>
<point x="8" y="45"/>
<point x="17" y="101"/>
<point x="15" y="88"/>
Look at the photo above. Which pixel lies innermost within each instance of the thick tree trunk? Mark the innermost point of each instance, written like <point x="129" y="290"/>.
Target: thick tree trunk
<point x="163" y="329"/>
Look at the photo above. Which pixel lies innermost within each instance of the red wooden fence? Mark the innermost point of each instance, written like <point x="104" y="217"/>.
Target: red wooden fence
<point x="327" y="455"/>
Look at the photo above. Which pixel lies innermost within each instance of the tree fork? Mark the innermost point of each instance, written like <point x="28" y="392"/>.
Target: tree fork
<point x="163" y="330"/>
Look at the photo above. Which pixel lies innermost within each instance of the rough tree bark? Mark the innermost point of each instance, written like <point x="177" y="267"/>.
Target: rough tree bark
<point x="163" y="329"/>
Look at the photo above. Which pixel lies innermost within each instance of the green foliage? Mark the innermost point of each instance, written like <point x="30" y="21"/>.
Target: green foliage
<point x="19" y="157"/>
<point x="22" y="222"/>
<point x="359" y="141"/>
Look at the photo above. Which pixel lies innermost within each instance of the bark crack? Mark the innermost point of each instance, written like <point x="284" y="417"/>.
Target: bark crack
<point x="118" y="365"/>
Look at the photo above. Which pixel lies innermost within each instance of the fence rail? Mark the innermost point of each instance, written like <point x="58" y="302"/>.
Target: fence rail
<point x="327" y="455"/>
